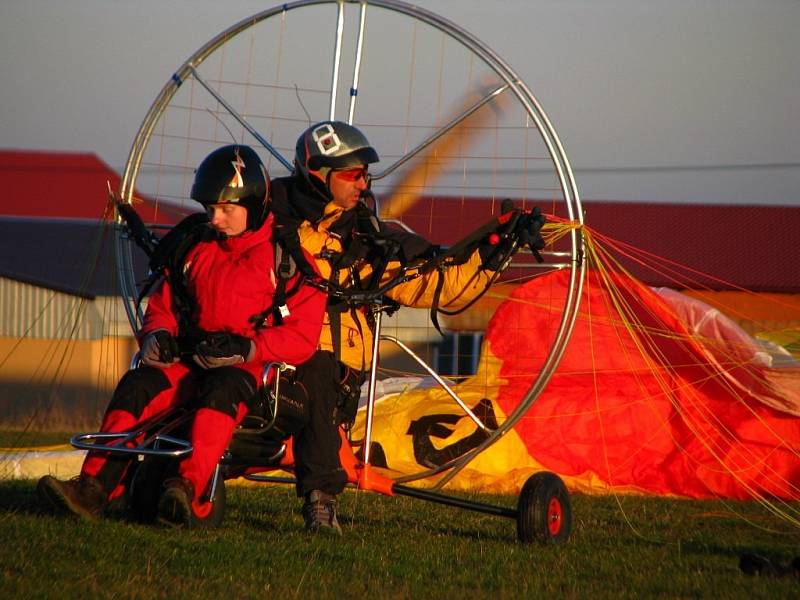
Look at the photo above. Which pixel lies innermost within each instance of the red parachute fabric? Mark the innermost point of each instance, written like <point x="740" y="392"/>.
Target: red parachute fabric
<point x="638" y="402"/>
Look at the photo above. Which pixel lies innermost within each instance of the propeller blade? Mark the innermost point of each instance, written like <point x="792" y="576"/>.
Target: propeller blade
<point x="465" y="129"/>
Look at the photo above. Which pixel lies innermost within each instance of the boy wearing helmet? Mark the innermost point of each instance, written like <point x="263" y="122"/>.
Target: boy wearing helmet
<point x="322" y="202"/>
<point x="199" y="339"/>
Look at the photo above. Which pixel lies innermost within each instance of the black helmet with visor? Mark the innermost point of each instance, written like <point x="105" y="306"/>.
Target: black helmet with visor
<point x="328" y="146"/>
<point x="234" y="174"/>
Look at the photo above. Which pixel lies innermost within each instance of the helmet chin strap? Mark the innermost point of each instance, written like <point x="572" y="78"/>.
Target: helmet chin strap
<point x="320" y="182"/>
<point x="323" y="174"/>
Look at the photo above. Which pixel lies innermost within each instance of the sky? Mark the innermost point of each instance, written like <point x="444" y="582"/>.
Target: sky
<point x="681" y="101"/>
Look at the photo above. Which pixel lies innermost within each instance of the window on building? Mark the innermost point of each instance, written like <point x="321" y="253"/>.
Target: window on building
<point x="457" y="354"/>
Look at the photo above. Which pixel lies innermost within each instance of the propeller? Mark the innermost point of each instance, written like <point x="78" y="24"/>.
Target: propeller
<point x="473" y="113"/>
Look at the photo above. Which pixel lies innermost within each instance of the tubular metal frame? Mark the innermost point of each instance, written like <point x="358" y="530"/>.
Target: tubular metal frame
<point x="512" y="83"/>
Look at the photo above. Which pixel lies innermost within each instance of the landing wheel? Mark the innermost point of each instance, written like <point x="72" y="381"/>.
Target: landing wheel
<point x="207" y="512"/>
<point x="145" y="486"/>
<point x="544" y="513"/>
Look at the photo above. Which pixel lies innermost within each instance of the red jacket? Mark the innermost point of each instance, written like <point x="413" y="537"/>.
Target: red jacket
<point x="229" y="282"/>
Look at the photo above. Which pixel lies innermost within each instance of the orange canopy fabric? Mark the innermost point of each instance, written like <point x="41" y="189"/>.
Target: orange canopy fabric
<point x="650" y="397"/>
<point x="639" y="402"/>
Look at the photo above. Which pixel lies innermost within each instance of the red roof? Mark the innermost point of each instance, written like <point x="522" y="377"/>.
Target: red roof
<point x="54" y="226"/>
<point x="753" y="247"/>
<point x="63" y="185"/>
<point x="747" y="246"/>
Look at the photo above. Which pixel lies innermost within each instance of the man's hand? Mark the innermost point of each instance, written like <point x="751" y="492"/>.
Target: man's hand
<point x="529" y="231"/>
<point x="523" y="227"/>
<point x="160" y="349"/>
<point x="222" y="349"/>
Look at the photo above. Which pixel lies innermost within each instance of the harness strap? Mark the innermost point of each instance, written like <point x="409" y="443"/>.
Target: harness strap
<point x="285" y="228"/>
<point x="435" y="304"/>
<point x="333" y="308"/>
<point x="335" y="318"/>
<point x="168" y="261"/>
<point x="285" y="269"/>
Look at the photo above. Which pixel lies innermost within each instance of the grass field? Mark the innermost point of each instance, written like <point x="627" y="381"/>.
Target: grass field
<point x="23" y="439"/>
<point x="394" y="548"/>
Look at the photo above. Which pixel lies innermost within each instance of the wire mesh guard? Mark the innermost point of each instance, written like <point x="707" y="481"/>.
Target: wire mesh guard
<point x="456" y="129"/>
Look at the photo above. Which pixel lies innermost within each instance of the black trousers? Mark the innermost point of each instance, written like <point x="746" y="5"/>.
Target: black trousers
<point x="316" y="445"/>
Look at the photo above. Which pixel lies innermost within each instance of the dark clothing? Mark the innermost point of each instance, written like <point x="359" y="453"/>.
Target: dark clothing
<point x="317" y="444"/>
<point x="354" y="250"/>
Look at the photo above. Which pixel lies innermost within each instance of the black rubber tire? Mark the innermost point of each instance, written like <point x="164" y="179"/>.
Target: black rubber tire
<point x="544" y="512"/>
<point x="209" y="515"/>
<point x="144" y="488"/>
<point x="147" y="484"/>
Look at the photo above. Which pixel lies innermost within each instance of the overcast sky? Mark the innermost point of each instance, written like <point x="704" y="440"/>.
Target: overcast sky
<point x="654" y="100"/>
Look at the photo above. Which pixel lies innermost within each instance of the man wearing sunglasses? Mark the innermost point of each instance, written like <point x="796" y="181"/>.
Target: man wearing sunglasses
<point x="321" y="207"/>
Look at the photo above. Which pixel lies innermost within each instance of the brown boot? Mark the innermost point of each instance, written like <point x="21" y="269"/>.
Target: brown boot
<point x="319" y="513"/>
<point x="82" y="496"/>
<point x="175" y="504"/>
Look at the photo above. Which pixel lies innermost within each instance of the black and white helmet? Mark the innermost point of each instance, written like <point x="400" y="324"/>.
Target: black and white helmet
<point x="234" y="174"/>
<point x="331" y="145"/>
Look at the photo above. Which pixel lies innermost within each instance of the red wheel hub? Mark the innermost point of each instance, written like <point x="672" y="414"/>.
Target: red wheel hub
<point x="554" y="514"/>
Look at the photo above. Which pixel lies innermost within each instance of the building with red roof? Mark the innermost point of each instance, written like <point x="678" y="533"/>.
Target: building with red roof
<point x="72" y="185"/>
<point x="56" y="246"/>
<point x="728" y="246"/>
<point x="735" y="246"/>
<point x="56" y="221"/>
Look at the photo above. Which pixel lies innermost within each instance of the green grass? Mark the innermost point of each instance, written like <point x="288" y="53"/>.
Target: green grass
<point x="23" y="439"/>
<point x="393" y="548"/>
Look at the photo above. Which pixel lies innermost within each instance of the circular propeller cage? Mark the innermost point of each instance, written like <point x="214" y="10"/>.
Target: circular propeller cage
<point x="452" y="122"/>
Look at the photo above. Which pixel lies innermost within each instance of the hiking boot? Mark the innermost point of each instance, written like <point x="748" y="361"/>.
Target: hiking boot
<point x="82" y="496"/>
<point x="319" y="513"/>
<point x="175" y="504"/>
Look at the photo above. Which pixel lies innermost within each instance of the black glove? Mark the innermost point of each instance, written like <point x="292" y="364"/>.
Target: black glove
<point x="222" y="349"/>
<point x="349" y="384"/>
<point x="524" y="227"/>
<point x="160" y="349"/>
<point x="494" y="253"/>
<point x="529" y="231"/>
